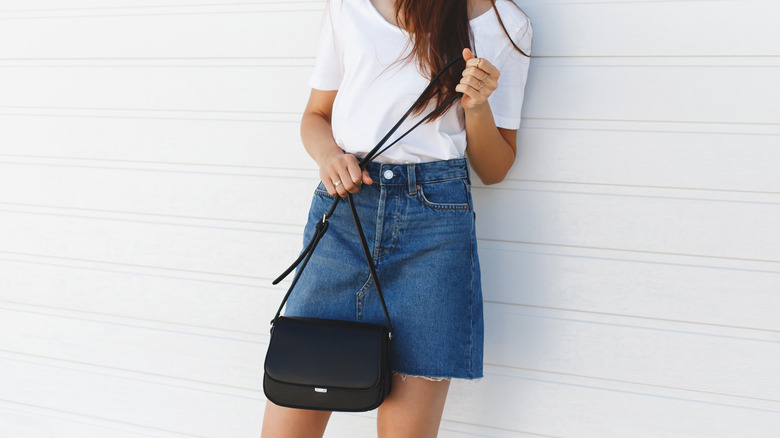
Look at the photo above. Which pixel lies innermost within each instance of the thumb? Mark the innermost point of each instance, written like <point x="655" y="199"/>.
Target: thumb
<point x="467" y="54"/>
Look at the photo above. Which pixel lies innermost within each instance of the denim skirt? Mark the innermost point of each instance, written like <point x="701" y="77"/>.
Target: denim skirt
<point x="419" y="219"/>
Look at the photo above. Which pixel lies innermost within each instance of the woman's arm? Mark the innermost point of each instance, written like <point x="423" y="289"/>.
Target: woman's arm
<point x="491" y="150"/>
<point x="317" y="136"/>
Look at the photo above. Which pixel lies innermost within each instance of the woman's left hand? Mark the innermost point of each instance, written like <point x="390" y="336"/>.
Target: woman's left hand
<point x="480" y="80"/>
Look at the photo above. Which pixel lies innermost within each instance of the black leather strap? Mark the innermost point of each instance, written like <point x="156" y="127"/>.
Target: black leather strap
<point x="322" y="226"/>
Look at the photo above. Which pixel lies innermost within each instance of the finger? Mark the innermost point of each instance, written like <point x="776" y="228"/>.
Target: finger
<point x="332" y="183"/>
<point x="355" y="174"/>
<point x="473" y="94"/>
<point x="367" y="178"/>
<point x="474" y="76"/>
<point x="481" y="69"/>
<point x="467" y="54"/>
<point x="329" y="186"/>
<point x="471" y="60"/>
<point x="483" y="87"/>
<point x="475" y="65"/>
<point x="474" y="84"/>
<point x="489" y="68"/>
<point x="351" y="176"/>
<point x="327" y="179"/>
<point x="347" y="185"/>
<point x="340" y="191"/>
<point x="477" y="73"/>
<point x="484" y="65"/>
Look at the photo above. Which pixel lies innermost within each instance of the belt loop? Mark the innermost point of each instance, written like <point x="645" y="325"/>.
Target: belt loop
<point x="412" y="177"/>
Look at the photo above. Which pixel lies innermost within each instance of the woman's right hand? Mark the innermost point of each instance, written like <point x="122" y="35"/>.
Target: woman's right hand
<point x="340" y="174"/>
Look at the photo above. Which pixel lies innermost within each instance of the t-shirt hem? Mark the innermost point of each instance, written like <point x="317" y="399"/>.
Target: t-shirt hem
<point x="325" y="86"/>
<point x="506" y="122"/>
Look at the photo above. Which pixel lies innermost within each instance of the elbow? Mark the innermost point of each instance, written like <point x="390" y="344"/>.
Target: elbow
<point x="494" y="169"/>
<point x="494" y="175"/>
<point x="489" y="180"/>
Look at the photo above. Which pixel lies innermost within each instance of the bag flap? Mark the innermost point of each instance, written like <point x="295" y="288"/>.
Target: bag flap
<point x="326" y="353"/>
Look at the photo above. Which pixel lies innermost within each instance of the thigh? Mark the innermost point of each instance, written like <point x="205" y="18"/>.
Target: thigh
<point x="281" y="422"/>
<point x="413" y="409"/>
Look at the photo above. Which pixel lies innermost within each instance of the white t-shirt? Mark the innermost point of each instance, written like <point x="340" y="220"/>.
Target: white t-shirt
<point x="357" y="45"/>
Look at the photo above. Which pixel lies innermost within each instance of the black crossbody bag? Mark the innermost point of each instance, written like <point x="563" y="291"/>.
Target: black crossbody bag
<point x="334" y="365"/>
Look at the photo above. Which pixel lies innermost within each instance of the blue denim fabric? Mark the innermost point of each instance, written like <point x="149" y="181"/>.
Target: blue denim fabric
<point x="419" y="220"/>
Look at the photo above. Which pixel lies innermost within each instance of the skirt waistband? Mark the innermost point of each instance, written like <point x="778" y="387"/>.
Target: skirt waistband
<point x="410" y="174"/>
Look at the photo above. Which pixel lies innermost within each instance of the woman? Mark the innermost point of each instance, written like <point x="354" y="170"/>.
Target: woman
<point x="414" y="200"/>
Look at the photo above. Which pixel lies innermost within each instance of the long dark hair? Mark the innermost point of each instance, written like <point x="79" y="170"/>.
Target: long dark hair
<point x="439" y="31"/>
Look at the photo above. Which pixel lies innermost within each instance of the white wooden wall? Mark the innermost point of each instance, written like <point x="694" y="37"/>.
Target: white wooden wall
<point x="152" y="183"/>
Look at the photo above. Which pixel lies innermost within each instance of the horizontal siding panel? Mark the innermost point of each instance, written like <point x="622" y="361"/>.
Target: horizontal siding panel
<point x="571" y="406"/>
<point x="40" y="423"/>
<point x="652" y="28"/>
<point x="654" y="223"/>
<point x="184" y="299"/>
<point x="344" y="424"/>
<point x="145" y="401"/>
<point x="28" y="5"/>
<point x="720" y="360"/>
<point x="187" y="353"/>
<point x="682" y="356"/>
<point x="538" y="403"/>
<point x="648" y="156"/>
<point x="231" y="89"/>
<point x="184" y="192"/>
<point x="156" y="138"/>
<point x="214" y="31"/>
<point x="583" y="152"/>
<point x="556" y="90"/>
<point x="660" y="287"/>
<point x="19" y="424"/>
<point x="221" y="249"/>
<point x="580" y="219"/>
<point x="23" y="425"/>
<point x="559" y="89"/>
<point x="20" y="421"/>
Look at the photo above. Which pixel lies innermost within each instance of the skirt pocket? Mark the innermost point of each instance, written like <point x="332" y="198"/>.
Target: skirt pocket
<point x="452" y="194"/>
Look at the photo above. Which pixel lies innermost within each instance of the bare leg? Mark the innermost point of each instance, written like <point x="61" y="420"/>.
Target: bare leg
<point x="413" y="409"/>
<point x="281" y="422"/>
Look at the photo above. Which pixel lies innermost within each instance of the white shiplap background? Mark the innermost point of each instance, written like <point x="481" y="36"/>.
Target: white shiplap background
<point x="152" y="182"/>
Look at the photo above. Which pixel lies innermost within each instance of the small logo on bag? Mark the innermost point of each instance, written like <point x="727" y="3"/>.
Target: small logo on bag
<point x="322" y="390"/>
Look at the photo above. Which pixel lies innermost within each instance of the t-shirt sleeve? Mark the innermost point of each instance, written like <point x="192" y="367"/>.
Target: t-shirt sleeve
<point x="328" y="66"/>
<point x="507" y="101"/>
